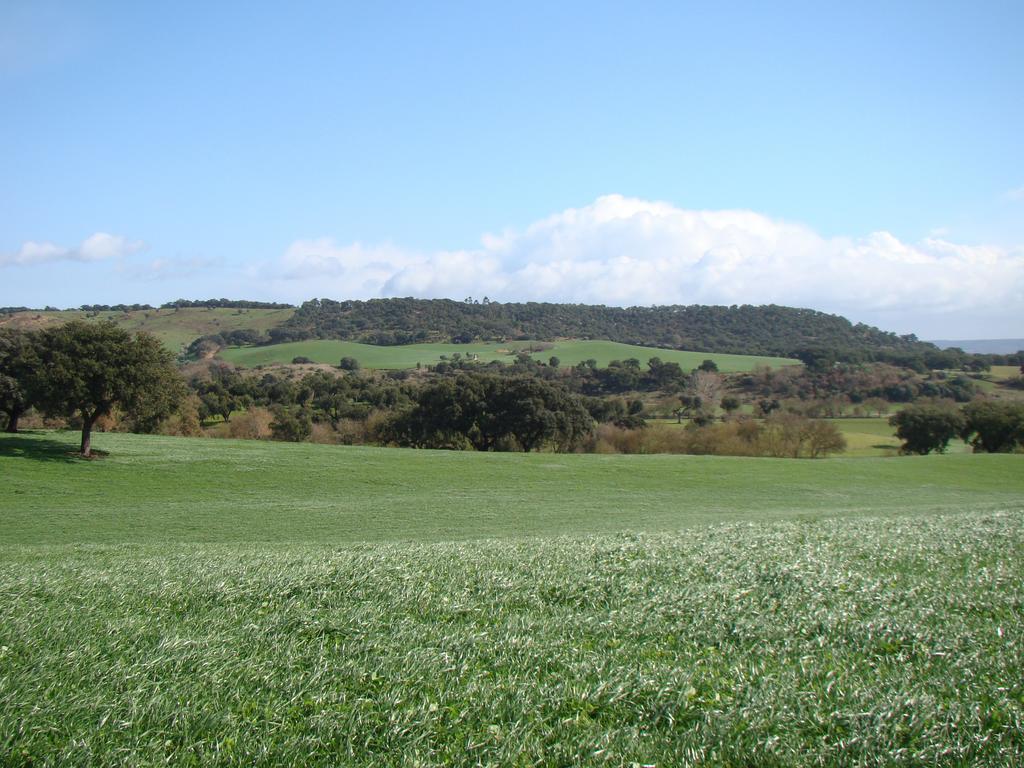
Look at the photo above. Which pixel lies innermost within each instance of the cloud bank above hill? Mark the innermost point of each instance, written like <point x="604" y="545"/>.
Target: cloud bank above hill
<point x="628" y="251"/>
<point x="97" y="247"/>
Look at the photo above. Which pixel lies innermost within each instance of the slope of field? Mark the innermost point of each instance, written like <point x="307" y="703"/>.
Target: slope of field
<point x="877" y="624"/>
<point x="407" y="356"/>
<point x="875" y="437"/>
<point x="203" y="490"/>
<point x="176" y="328"/>
<point x="1003" y="372"/>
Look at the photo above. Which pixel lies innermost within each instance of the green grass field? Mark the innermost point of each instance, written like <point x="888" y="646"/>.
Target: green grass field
<point x="407" y="356"/>
<point x="156" y="489"/>
<point x="175" y="328"/>
<point x="1001" y="372"/>
<point x="875" y="437"/>
<point x="207" y="602"/>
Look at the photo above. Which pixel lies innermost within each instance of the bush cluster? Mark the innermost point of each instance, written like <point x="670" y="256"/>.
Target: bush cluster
<point x="783" y="435"/>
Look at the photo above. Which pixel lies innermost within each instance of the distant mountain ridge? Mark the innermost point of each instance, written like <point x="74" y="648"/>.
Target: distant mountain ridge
<point x="982" y="346"/>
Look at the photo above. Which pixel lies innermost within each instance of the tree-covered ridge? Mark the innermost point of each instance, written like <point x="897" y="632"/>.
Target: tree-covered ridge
<point x="758" y="330"/>
<point x="176" y="304"/>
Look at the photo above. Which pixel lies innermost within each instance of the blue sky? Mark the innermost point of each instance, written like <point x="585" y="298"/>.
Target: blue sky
<point x="861" y="158"/>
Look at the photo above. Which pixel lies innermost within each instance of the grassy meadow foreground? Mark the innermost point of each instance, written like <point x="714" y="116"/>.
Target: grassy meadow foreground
<point x="243" y="603"/>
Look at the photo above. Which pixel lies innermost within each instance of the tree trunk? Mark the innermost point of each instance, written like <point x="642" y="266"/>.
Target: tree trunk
<point x="87" y="422"/>
<point x="12" y="421"/>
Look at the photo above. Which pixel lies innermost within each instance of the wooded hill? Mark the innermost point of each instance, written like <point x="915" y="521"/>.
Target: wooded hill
<point x="750" y="330"/>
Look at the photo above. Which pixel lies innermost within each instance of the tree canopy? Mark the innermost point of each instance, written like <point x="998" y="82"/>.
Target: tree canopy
<point x="17" y="363"/>
<point x="927" y="428"/>
<point x="994" y="427"/>
<point x="91" y="368"/>
<point x="489" y="413"/>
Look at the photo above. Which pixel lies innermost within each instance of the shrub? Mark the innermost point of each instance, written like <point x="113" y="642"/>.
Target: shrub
<point x="185" y="421"/>
<point x="323" y="434"/>
<point x="253" y="424"/>
<point x="291" y="425"/>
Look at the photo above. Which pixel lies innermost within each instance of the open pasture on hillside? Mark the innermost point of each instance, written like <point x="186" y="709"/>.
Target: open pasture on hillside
<point x="1003" y="372"/>
<point x="210" y="602"/>
<point x="176" y="328"/>
<point x="407" y="356"/>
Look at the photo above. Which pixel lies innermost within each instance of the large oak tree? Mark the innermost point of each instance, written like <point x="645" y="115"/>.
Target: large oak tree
<point x="89" y="368"/>
<point x="926" y="428"/>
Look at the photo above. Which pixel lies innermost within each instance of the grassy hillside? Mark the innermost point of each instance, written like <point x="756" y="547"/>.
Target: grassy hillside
<point x="194" y="602"/>
<point x="176" y="489"/>
<point x="176" y="328"/>
<point x="568" y="352"/>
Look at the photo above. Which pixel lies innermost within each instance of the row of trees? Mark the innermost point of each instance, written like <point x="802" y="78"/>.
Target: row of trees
<point x="323" y="396"/>
<point x="988" y="425"/>
<point x="781" y="435"/>
<point x="858" y="383"/>
<point x="86" y="370"/>
<point x="178" y="304"/>
<point x="224" y="304"/>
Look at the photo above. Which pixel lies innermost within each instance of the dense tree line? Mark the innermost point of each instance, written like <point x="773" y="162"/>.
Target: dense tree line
<point x="224" y="304"/>
<point x="586" y="378"/>
<point x="852" y="383"/>
<point x="818" y="339"/>
<point x="858" y="383"/>
<point x="83" y="308"/>
<point x="92" y="373"/>
<point x="322" y="396"/>
<point x="762" y="330"/>
<point x="177" y="304"/>
<point x="115" y="307"/>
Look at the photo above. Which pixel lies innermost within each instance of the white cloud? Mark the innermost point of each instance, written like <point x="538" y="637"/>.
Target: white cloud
<point x="97" y="247"/>
<point x="627" y="251"/>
